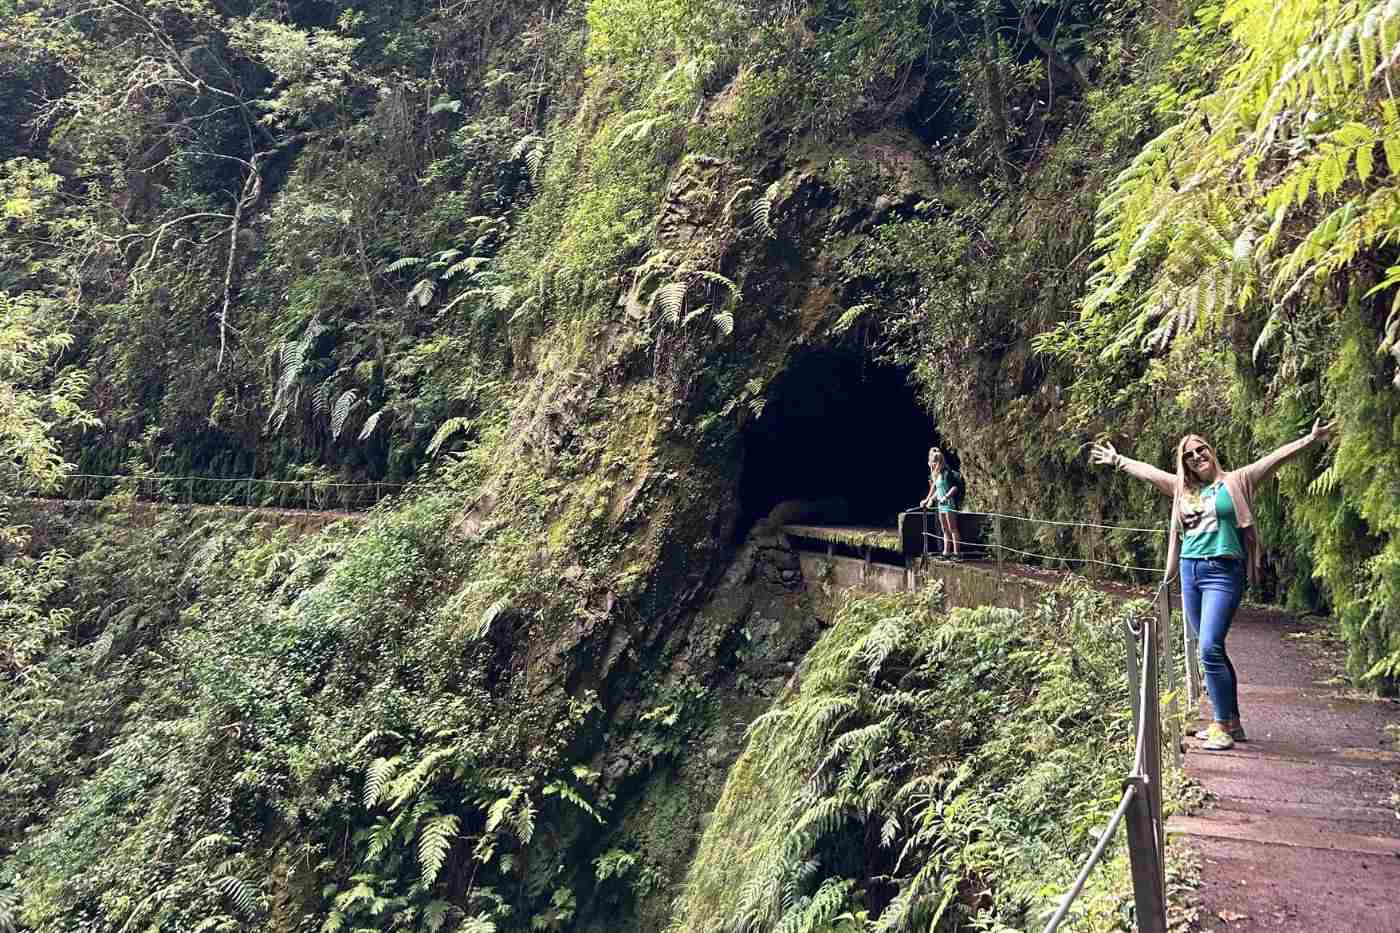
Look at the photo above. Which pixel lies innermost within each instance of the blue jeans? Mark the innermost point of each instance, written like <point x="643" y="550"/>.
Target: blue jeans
<point x="1211" y="589"/>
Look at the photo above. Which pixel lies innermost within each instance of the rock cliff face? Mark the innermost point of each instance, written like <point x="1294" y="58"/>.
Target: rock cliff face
<point x="640" y="310"/>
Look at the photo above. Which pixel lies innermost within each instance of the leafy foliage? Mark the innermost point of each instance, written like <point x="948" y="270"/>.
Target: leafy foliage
<point x="931" y="771"/>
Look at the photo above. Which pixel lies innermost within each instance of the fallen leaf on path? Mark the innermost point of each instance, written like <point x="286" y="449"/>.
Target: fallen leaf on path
<point x="1230" y="916"/>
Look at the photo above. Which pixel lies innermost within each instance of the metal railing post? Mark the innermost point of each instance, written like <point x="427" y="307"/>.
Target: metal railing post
<point x="1144" y="858"/>
<point x="996" y="543"/>
<point x="1130" y="667"/>
<point x="1152" y="754"/>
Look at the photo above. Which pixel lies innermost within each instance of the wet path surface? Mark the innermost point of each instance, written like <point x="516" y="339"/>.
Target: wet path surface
<point x="1299" y="831"/>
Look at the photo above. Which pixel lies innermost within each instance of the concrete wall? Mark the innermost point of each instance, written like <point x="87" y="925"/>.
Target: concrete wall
<point x="966" y="585"/>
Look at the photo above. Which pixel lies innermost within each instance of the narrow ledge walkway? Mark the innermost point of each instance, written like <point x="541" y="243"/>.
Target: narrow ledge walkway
<point x="1299" y="830"/>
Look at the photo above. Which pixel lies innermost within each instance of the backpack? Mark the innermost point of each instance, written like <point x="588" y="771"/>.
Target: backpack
<point x="959" y="485"/>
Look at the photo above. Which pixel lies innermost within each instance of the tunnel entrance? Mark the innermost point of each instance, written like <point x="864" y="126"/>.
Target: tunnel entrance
<point x="837" y="426"/>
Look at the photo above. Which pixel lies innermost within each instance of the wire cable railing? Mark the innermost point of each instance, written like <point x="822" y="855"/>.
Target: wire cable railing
<point x="1146" y="642"/>
<point x="314" y="495"/>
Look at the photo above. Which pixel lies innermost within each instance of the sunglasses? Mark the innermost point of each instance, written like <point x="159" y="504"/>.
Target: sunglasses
<point x="1198" y="453"/>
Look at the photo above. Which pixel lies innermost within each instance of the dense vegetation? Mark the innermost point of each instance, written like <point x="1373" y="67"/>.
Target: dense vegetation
<point x="547" y="260"/>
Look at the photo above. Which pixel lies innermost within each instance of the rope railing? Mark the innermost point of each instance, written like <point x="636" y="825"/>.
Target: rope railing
<point x="247" y="492"/>
<point x="1146" y="641"/>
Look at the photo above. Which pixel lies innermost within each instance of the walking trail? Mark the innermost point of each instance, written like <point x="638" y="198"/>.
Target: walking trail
<point x="1299" y="831"/>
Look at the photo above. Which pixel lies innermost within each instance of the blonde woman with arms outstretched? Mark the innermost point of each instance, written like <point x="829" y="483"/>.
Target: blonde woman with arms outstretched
<point x="1216" y="543"/>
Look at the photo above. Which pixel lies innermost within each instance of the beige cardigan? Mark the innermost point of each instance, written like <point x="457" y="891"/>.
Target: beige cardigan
<point x="1241" y="483"/>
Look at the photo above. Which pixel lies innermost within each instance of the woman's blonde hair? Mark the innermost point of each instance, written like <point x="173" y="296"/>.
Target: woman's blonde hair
<point x="935" y="459"/>
<point x="1186" y="477"/>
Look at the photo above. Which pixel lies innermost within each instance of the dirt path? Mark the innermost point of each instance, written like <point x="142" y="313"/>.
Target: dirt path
<point x="1300" y="831"/>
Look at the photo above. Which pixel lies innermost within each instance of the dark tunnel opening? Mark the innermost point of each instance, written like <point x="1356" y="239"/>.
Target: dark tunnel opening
<point x="837" y="426"/>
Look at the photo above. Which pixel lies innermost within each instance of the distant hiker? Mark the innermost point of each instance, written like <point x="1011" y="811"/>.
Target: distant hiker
<point x="945" y="488"/>
<point x="1214" y="536"/>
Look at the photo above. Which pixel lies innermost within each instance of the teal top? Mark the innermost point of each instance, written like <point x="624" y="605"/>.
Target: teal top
<point x="941" y="488"/>
<point x="1208" y="523"/>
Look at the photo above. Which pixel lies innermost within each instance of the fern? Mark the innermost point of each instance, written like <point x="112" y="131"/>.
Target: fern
<point x="216" y="922"/>
<point x="478" y="924"/>
<point x="435" y="914"/>
<point x="762" y="210"/>
<point x="371" y="423"/>
<point x="377" y="777"/>
<point x="848" y="319"/>
<point x="240" y="893"/>
<point x="9" y="911"/>
<point x="1296" y="104"/>
<point x="446" y="431"/>
<point x="406" y="262"/>
<point x="408" y="784"/>
<point x="209" y="841"/>
<point x="434" y="842"/>
<point x="321" y="399"/>
<point x="489" y="615"/>
<point x="640" y="127"/>
<point x="421" y="294"/>
<point x="341" y="413"/>
<point x="565" y="792"/>
<point x="670" y="298"/>
<point x="531" y="150"/>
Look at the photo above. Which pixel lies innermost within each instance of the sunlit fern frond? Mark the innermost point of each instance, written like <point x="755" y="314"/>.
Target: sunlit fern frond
<point x="407" y="262"/>
<point x="469" y="264"/>
<point x="377" y="777"/>
<point x="848" y="319"/>
<point x="371" y="423"/>
<point x="446" y="431"/>
<point x="762" y="210"/>
<point x="421" y="294"/>
<point x="670" y="298"/>
<point x="531" y="150"/>
<point x="344" y="405"/>
<point x="434" y="842"/>
<point x="243" y="895"/>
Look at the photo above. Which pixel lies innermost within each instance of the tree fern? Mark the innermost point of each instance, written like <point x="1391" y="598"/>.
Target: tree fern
<point x="1293" y="128"/>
